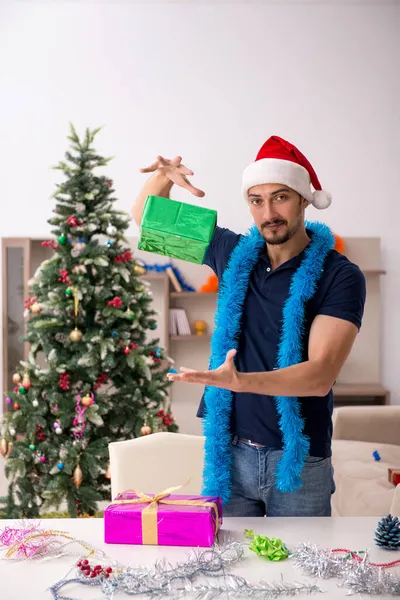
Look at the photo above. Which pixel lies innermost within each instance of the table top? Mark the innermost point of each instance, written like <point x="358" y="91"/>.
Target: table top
<point x="22" y="580"/>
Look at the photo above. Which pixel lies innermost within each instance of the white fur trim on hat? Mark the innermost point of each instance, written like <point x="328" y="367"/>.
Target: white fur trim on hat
<point x="285" y="172"/>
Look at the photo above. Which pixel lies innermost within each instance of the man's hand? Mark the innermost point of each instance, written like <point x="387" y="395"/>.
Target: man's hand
<point x="175" y="171"/>
<point x="225" y="376"/>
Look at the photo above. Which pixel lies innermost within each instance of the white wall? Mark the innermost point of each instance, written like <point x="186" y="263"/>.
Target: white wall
<point x="210" y="82"/>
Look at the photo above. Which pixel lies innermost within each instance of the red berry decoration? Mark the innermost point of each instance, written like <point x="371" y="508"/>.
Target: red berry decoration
<point x="108" y="182"/>
<point x="102" y="378"/>
<point x="125" y="257"/>
<point x="64" y="276"/>
<point x="74" y="221"/>
<point x="64" y="381"/>
<point x="115" y="302"/>
<point x="50" y="244"/>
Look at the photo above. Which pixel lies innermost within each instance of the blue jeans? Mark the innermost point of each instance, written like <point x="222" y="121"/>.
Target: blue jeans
<point x="254" y="492"/>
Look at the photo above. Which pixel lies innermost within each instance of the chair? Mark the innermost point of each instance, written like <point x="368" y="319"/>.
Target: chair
<point x="152" y="463"/>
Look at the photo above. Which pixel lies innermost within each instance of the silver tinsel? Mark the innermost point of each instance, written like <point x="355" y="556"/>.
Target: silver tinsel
<point x="358" y="575"/>
<point x="164" y="580"/>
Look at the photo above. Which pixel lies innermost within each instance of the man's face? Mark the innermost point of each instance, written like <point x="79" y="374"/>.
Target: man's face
<point x="278" y="211"/>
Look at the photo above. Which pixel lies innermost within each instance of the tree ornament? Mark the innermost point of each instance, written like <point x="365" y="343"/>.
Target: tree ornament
<point x="60" y="466"/>
<point x="387" y="534"/>
<point x="62" y="240"/>
<point x="11" y="431"/>
<point x="129" y="314"/>
<point x="16" y="406"/>
<point x="22" y="390"/>
<point x="32" y="447"/>
<point x="35" y="309"/>
<point x="88" y="400"/>
<point x="35" y="403"/>
<point x="111" y="230"/>
<point x="78" y="476"/>
<point x="145" y="430"/>
<point x="42" y="459"/>
<point x="8" y="400"/>
<point x="3" y="447"/>
<point x="138" y="270"/>
<point x="76" y="335"/>
<point x="10" y="448"/>
<point x="59" y="431"/>
<point x="69" y="291"/>
<point x="26" y="382"/>
<point x="16" y="378"/>
<point x="127" y="350"/>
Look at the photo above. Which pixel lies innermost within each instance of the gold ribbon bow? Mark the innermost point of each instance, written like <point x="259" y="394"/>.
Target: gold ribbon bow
<point x="149" y="514"/>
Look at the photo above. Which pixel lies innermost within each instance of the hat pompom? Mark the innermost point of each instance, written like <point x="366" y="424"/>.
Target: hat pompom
<point x="321" y="199"/>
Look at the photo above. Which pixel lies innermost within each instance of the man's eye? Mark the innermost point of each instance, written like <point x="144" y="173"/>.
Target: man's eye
<point x="281" y="198"/>
<point x="256" y="201"/>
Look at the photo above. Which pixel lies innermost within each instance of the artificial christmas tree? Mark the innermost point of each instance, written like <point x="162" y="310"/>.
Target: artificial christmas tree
<point x="387" y="534"/>
<point x="101" y="379"/>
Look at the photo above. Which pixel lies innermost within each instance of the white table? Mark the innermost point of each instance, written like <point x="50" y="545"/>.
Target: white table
<point x="29" y="580"/>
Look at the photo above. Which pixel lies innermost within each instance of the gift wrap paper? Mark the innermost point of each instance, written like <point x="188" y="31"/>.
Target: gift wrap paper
<point x="394" y="476"/>
<point x="174" y="520"/>
<point x="176" y="229"/>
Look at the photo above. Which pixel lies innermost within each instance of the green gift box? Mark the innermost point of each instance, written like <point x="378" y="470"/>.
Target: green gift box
<point x="176" y="229"/>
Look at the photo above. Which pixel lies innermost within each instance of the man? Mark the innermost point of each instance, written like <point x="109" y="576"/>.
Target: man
<point x="289" y="310"/>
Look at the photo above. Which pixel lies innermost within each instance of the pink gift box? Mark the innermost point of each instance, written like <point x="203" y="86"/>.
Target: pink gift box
<point x="177" y="525"/>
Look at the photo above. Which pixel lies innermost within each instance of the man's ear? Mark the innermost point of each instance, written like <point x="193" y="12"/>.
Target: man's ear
<point x="304" y="203"/>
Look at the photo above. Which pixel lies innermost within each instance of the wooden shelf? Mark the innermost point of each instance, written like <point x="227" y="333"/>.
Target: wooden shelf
<point x="360" y="393"/>
<point x="188" y="338"/>
<point x="373" y="271"/>
<point x="192" y="294"/>
<point x="359" y="389"/>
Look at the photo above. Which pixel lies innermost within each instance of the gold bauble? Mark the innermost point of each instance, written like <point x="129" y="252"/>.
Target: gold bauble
<point x="16" y="378"/>
<point x="138" y="270"/>
<point x="3" y="447"/>
<point x="145" y="430"/>
<point x="78" y="476"/>
<point x="108" y="472"/>
<point x="87" y="400"/>
<point x="10" y="447"/>
<point x="200" y="327"/>
<point x="35" y="308"/>
<point x="75" y="335"/>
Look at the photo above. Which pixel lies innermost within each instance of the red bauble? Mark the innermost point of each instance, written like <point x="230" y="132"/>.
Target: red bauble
<point x="127" y="350"/>
<point x="16" y="406"/>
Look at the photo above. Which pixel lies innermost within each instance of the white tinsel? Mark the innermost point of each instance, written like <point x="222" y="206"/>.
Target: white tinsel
<point x="165" y="580"/>
<point x="359" y="576"/>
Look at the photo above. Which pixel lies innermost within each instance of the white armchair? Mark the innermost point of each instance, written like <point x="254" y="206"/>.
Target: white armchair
<point x="152" y="463"/>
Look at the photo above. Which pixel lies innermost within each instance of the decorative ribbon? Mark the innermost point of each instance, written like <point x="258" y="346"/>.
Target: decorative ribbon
<point x="149" y="514"/>
<point x="79" y="421"/>
<point x="271" y="548"/>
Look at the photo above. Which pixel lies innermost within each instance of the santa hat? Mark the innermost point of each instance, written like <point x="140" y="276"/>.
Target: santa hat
<point x="278" y="161"/>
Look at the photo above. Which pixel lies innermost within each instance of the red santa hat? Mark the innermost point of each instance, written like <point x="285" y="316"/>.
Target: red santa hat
<point x="278" y="161"/>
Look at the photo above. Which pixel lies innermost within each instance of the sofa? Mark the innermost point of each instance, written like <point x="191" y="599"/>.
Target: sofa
<point x="362" y="485"/>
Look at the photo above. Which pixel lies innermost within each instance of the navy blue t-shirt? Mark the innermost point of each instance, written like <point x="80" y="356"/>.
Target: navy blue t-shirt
<point x="340" y="293"/>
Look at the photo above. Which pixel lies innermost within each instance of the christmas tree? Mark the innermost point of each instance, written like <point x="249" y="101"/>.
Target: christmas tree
<point x="94" y="374"/>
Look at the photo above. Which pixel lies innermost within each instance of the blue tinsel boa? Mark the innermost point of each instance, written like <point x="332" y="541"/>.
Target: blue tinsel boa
<point x="218" y="402"/>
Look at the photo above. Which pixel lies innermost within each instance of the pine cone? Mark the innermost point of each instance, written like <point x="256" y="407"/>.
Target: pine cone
<point x="387" y="534"/>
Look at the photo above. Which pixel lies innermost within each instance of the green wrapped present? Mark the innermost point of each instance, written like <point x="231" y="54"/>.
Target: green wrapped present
<point x="176" y="229"/>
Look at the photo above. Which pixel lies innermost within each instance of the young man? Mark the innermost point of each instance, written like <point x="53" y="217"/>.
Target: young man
<point x="289" y="310"/>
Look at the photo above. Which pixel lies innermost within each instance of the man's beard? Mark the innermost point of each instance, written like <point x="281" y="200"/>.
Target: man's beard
<point x="277" y="238"/>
